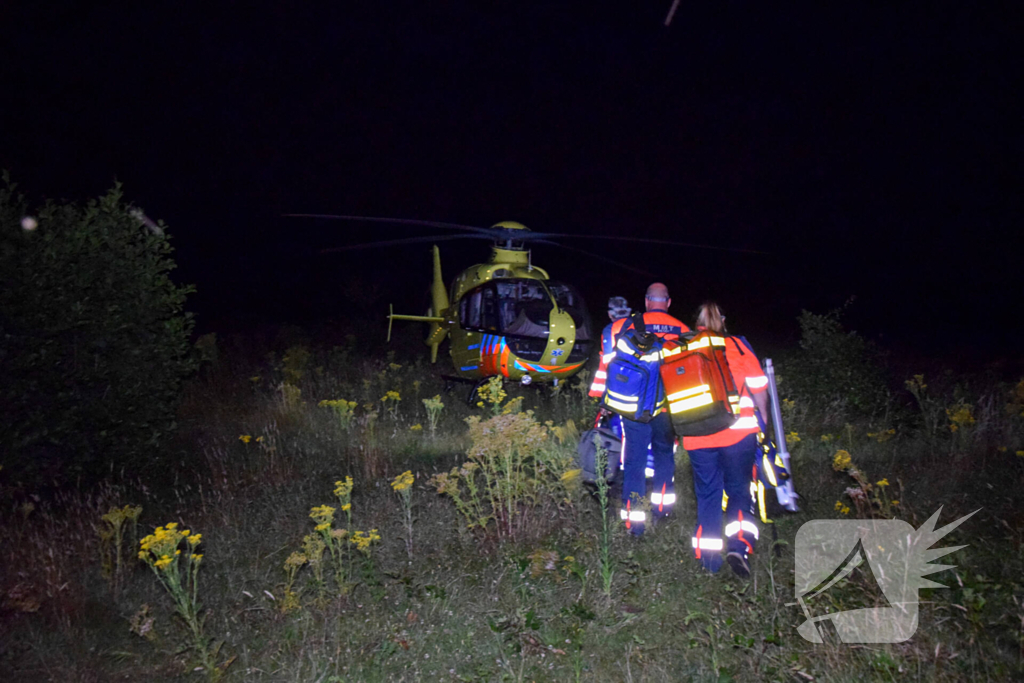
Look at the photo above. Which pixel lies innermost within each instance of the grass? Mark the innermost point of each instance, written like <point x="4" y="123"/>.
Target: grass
<point x="470" y="606"/>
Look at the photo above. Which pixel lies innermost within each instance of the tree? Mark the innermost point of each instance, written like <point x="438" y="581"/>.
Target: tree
<point x="94" y="339"/>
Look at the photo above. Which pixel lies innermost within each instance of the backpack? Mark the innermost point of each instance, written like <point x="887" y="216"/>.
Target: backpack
<point x="702" y="396"/>
<point x="601" y="436"/>
<point x="633" y="386"/>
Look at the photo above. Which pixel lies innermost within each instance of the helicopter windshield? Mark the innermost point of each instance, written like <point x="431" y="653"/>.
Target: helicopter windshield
<point x="520" y="308"/>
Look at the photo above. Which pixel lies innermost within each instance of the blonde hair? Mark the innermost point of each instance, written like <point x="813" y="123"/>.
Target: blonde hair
<point x="709" y="315"/>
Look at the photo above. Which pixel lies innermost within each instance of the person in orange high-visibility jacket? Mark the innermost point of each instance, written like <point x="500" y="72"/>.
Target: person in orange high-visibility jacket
<point x="656" y="435"/>
<point x="724" y="461"/>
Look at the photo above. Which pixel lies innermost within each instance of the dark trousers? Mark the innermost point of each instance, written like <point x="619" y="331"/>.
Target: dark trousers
<point x="638" y="435"/>
<point x="715" y="470"/>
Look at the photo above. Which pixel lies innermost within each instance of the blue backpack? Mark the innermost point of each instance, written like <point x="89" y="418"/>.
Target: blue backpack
<point x="633" y="388"/>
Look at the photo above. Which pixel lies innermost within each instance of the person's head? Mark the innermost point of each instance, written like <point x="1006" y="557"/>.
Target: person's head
<point x="618" y="307"/>
<point x="709" y="316"/>
<point x="657" y="298"/>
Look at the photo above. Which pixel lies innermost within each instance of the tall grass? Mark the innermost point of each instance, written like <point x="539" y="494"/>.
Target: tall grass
<point x="529" y="606"/>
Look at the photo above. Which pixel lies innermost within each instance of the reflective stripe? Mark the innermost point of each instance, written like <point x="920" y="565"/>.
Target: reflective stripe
<point x="689" y="392"/>
<point x="690" y="403"/>
<point x="760" y="502"/>
<point x="648" y="472"/>
<point x="624" y="397"/>
<point x="708" y="543"/>
<point x="608" y="358"/>
<point x="746" y="402"/>
<point x="633" y="515"/>
<point x="623" y="346"/>
<point x="769" y="471"/>
<point x="658" y="498"/>
<point x="725" y="501"/>
<point x="747" y="422"/>
<point x="619" y="405"/>
<point x="757" y="382"/>
<point x="706" y="341"/>
<point x="600" y="374"/>
<point x="668" y="353"/>
<point x="595" y="387"/>
<point x="733" y="528"/>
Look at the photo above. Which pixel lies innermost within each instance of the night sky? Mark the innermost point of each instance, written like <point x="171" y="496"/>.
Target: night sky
<point x="873" y="149"/>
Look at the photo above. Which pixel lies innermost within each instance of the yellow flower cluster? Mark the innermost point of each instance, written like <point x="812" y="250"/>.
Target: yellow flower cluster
<point x="363" y="539"/>
<point x="841" y="461"/>
<point x="960" y="415"/>
<point x="416" y="428"/>
<point x="403" y="481"/>
<point x="323" y="515"/>
<point x="883" y="483"/>
<point x="160" y="549"/>
<point x="841" y="508"/>
<point x="245" y="438"/>
<point x="916" y="385"/>
<point x="882" y="437"/>
<point x="394" y="366"/>
<point x="391" y="396"/>
<point x="343" y="489"/>
<point x="117" y="516"/>
<point x="793" y="438"/>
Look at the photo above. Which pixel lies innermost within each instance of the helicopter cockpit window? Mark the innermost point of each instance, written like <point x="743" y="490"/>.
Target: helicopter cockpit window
<point x="520" y="308"/>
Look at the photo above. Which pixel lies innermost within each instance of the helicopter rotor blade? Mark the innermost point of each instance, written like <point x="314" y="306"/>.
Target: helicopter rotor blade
<point x="399" y="221"/>
<point x="408" y="240"/>
<point x="544" y="235"/>
<point x="599" y="257"/>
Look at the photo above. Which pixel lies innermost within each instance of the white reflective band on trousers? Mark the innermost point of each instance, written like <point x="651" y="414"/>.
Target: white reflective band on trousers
<point x="595" y="388"/>
<point x="733" y="528"/>
<point x="608" y="357"/>
<point x="746" y="402"/>
<point x="757" y="382"/>
<point x="648" y="472"/>
<point x="658" y="498"/>
<point x="600" y="374"/>
<point x="633" y="515"/>
<point x="708" y="543"/>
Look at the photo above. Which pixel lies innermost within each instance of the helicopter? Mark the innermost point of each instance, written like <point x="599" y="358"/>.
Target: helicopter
<point x="505" y="317"/>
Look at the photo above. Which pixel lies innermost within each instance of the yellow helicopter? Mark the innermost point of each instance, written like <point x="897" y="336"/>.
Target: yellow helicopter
<point x="505" y="317"/>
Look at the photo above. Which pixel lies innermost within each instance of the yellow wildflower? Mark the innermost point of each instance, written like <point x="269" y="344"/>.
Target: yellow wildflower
<point x="343" y="488"/>
<point x="394" y="366"/>
<point x="883" y="483"/>
<point x="260" y="439"/>
<point x="403" y="481"/>
<point x="197" y="558"/>
<point x="245" y="438"/>
<point x="793" y="438"/>
<point x="323" y="527"/>
<point x="841" y="461"/>
<point x="346" y="507"/>
<point x="195" y="540"/>
<point x="391" y="396"/>
<point x="845" y="510"/>
<point x="323" y="514"/>
<point x="1020" y="454"/>
<point x="895" y="503"/>
<point x="416" y="428"/>
<point x="363" y="539"/>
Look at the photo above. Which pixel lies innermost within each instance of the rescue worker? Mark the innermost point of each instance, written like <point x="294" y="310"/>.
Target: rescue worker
<point x="725" y="460"/>
<point x="655" y="435"/>
<point x="618" y="308"/>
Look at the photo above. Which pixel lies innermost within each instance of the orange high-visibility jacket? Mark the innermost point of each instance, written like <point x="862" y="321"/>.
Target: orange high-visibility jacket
<point x="750" y="380"/>
<point x="658" y="322"/>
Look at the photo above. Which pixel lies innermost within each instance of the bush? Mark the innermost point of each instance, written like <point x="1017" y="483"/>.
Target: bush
<point x="834" y="369"/>
<point x="95" y="338"/>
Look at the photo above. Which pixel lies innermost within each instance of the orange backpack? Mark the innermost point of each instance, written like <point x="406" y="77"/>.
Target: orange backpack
<point x="702" y="396"/>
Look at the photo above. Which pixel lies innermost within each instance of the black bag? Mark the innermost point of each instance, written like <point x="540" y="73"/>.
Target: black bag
<point x="586" y="453"/>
